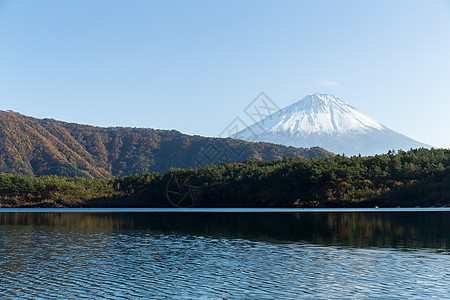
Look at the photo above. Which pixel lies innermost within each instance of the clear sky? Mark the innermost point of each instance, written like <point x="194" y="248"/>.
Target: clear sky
<point x="195" y="65"/>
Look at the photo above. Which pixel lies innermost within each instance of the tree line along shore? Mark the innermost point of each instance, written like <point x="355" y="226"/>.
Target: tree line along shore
<point x="419" y="177"/>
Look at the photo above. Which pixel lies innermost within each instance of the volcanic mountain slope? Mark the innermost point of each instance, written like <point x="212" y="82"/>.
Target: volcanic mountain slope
<point x="326" y="121"/>
<point x="36" y="147"/>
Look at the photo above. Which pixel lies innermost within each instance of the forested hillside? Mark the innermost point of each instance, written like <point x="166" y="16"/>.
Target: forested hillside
<point x="36" y="147"/>
<point x="417" y="177"/>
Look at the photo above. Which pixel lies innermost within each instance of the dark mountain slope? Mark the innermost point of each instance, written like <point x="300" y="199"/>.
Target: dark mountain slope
<point x="36" y="147"/>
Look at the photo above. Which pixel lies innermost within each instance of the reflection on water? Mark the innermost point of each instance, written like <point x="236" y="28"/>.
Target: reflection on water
<point x="356" y="229"/>
<point x="224" y="255"/>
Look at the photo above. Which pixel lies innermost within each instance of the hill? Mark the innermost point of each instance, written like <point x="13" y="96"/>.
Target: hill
<point x="37" y="147"/>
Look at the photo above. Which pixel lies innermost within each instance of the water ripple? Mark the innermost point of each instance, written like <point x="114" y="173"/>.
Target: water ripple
<point x="46" y="262"/>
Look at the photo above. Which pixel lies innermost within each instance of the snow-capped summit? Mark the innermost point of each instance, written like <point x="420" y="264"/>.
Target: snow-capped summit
<point x="321" y="113"/>
<point x="327" y="121"/>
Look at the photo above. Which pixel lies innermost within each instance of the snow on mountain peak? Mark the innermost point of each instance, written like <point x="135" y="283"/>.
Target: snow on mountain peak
<point x="319" y="113"/>
<point x="326" y="121"/>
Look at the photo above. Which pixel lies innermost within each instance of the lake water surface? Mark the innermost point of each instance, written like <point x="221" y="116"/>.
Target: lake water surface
<point x="224" y="254"/>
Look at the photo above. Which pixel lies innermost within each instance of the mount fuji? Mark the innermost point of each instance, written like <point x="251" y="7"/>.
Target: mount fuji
<point x="326" y="121"/>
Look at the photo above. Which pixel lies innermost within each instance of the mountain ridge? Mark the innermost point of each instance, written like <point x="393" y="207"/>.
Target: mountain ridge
<point x="37" y="147"/>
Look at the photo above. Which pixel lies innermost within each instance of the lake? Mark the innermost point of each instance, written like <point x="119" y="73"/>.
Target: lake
<point x="224" y="254"/>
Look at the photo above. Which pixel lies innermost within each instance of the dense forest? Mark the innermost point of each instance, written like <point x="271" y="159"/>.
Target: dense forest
<point x="37" y="147"/>
<point x="418" y="177"/>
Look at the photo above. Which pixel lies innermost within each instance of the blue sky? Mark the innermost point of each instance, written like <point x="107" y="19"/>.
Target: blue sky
<point x="195" y="65"/>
